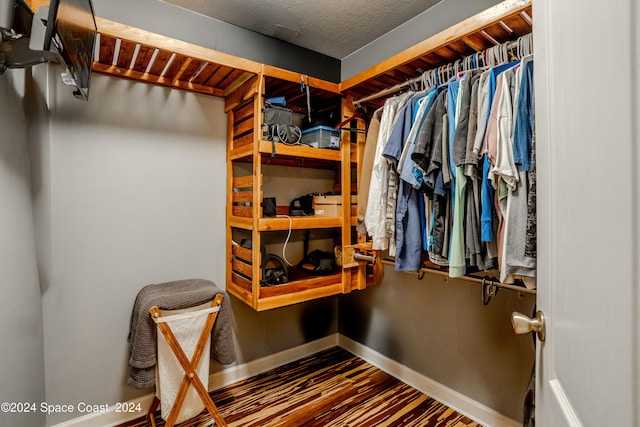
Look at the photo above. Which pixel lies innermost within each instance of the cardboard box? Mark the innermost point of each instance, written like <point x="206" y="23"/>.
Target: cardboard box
<point x="328" y="210"/>
<point x="333" y="199"/>
<point x="327" y="205"/>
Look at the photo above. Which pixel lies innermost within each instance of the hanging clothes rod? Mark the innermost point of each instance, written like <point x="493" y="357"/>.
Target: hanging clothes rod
<point x="508" y="45"/>
<point x="480" y="280"/>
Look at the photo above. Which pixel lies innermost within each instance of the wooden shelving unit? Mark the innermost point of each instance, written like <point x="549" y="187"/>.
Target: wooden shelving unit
<point x="246" y="145"/>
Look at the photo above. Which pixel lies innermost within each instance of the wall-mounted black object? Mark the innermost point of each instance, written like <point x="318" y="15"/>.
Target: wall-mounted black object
<point x="65" y="32"/>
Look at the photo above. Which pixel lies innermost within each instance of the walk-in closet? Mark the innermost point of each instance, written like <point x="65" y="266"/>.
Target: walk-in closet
<point x="439" y="226"/>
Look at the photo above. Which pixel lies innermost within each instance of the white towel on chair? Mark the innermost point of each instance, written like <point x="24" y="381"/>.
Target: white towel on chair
<point x="170" y="373"/>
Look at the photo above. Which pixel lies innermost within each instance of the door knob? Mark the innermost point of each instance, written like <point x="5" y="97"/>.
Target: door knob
<point x="523" y="324"/>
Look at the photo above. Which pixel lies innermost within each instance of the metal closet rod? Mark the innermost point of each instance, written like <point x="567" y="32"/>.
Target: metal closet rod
<point x="400" y="86"/>
<point x="471" y="279"/>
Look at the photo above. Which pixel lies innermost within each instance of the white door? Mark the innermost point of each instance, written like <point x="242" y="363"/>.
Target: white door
<point x="587" y="78"/>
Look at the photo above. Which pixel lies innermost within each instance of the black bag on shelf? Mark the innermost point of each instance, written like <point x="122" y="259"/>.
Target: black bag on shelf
<point x="274" y="115"/>
<point x="278" y="126"/>
<point x="319" y="263"/>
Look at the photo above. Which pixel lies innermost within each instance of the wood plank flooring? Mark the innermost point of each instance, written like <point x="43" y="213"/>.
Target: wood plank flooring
<point x="329" y="388"/>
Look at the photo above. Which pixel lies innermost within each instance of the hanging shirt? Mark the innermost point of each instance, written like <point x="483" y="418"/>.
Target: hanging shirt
<point x="427" y="154"/>
<point x="406" y="165"/>
<point x="483" y="113"/>
<point x="375" y="217"/>
<point x="392" y="152"/>
<point x="452" y="102"/>
<point x="410" y="210"/>
<point x="523" y="128"/>
<point x="514" y="259"/>
<point x="440" y="232"/>
<point x="459" y="152"/>
<point x="474" y="249"/>
<point x="500" y="144"/>
<point x="457" y="257"/>
<point x="457" y="263"/>
<point x="487" y="190"/>
<point x="367" y="167"/>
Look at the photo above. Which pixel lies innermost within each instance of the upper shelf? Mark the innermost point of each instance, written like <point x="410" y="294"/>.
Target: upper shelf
<point x="140" y="55"/>
<point x="501" y="23"/>
<point x="143" y="56"/>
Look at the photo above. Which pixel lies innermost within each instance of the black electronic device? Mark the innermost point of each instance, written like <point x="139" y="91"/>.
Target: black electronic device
<point x="71" y="31"/>
<point x="65" y="33"/>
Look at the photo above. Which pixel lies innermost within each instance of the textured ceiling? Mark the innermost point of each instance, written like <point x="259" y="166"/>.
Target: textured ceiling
<point x="332" y="27"/>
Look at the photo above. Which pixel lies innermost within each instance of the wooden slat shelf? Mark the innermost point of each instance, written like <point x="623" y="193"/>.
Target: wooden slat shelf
<point x="298" y="223"/>
<point x="241" y="222"/>
<point x="290" y="155"/>
<point x="304" y="282"/>
<point x="302" y="151"/>
<point x="299" y="291"/>
<point x="503" y="22"/>
<point x="203" y="70"/>
<point x="241" y="153"/>
<point x="268" y="303"/>
<point x="282" y="224"/>
<point x="293" y="292"/>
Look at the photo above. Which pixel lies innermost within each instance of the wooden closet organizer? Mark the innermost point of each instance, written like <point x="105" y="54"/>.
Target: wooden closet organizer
<point x="151" y="58"/>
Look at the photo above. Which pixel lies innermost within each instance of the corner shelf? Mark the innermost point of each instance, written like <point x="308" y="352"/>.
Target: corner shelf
<point x="248" y="153"/>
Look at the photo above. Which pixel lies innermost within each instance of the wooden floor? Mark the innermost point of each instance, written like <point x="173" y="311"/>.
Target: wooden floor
<point x="330" y="388"/>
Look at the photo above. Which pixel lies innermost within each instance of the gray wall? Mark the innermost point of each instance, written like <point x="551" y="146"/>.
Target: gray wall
<point x="440" y="328"/>
<point x="21" y="354"/>
<point x="431" y="22"/>
<point x="172" y="21"/>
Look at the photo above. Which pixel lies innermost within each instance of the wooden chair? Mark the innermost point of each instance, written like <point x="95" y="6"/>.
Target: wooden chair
<point x="191" y="377"/>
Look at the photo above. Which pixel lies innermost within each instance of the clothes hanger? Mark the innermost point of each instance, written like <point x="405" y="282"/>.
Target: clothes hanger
<point x="457" y="66"/>
<point x="359" y="113"/>
<point x="433" y="79"/>
<point x="428" y="79"/>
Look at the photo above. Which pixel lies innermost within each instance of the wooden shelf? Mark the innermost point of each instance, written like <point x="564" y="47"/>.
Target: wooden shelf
<point x="503" y="22"/>
<point x="299" y="223"/>
<point x="289" y="298"/>
<point x="290" y="155"/>
<point x="306" y="289"/>
<point x="303" y="151"/>
<point x="280" y="224"/>
<point x="241" y="222"/>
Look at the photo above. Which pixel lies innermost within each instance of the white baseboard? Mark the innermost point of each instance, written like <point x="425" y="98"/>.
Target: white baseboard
<point x="457" y="401"/>
<point x="258" y="366"/>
